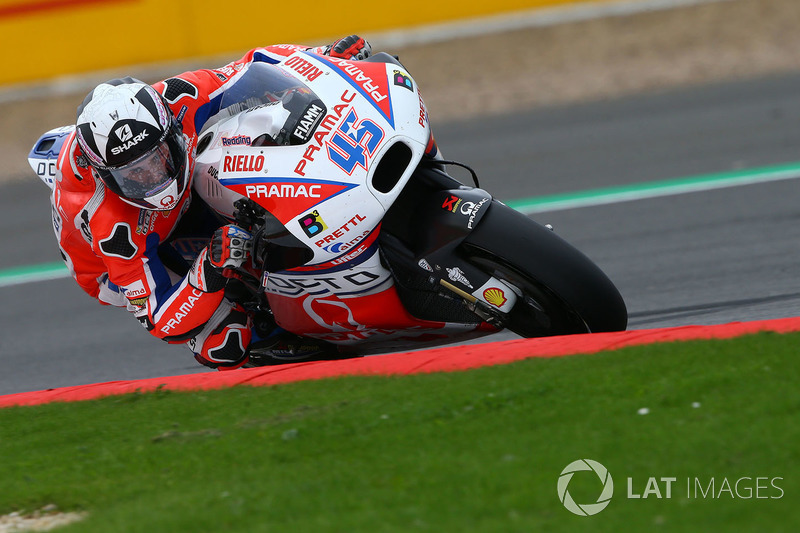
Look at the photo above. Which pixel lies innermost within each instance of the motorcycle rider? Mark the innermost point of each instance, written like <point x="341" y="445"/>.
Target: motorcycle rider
<point x="124" y="189"/>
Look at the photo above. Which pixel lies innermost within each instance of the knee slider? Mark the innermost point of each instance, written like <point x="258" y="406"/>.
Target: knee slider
<point x="223" y="345"/>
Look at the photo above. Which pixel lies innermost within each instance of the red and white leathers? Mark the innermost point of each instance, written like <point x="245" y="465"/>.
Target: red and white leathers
<point x="115" y="250"/>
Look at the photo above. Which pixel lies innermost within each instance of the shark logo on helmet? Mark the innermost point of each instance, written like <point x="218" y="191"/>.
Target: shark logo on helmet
<point x="116" y="150"/>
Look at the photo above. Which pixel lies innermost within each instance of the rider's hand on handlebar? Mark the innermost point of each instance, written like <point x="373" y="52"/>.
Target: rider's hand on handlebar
<point x="230" y="247"/>
<point x="351" y="47"/>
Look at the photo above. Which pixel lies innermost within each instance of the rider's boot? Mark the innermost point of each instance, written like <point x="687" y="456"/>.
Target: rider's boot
<point x="271" y="344"/>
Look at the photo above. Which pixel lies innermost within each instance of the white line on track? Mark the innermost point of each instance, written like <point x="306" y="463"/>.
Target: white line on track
<point x="528" y="206"/>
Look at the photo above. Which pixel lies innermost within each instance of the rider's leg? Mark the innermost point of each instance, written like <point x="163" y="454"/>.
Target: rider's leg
<point x="223" y="342"/>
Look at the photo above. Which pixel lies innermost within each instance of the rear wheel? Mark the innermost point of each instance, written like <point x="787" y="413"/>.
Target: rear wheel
<point x="563" y="291"/>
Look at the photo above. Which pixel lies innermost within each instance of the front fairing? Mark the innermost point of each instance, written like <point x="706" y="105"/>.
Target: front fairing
<point x="363" y="140"/>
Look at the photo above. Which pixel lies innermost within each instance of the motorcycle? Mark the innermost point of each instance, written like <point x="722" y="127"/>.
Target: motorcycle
<point x="362" y="240"/>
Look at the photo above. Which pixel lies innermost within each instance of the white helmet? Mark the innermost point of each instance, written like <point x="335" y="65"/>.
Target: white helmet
<point x="133" y="142"/>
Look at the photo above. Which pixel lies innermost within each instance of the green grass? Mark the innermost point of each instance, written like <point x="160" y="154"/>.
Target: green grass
<point x="471" y="451"/>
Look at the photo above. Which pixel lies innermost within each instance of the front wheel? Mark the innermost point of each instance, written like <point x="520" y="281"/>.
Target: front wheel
<point x="563" y="291"/>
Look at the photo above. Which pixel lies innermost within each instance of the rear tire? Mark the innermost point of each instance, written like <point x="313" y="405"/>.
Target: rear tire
<point x="564" y="292"/>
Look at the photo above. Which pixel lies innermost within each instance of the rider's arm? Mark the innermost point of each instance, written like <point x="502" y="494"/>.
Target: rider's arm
<point x="172" y="308"/>
<point x="169" y="307"/>
<point x="350" y="47"/>
<point x="196" y="96"/>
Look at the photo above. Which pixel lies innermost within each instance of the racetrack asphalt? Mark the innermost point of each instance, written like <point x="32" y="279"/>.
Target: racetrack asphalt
<point x="702" y="258"/>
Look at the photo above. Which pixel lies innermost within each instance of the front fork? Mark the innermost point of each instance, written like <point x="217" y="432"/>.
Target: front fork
<point x="441" y="221"/>
<point x="488" y="311"/>
<point x="490" y="299"/>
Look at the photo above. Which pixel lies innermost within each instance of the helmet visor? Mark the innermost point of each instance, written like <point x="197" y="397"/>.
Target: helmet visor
<point x="153" y="172"/>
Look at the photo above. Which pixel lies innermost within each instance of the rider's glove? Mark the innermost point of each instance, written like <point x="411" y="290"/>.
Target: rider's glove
<point x="351" y="47"/>
<point x="228" y="250"/>
<point x="230" y="247"/>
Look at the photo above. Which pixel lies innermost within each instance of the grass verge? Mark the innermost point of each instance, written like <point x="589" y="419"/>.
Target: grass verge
<point x="469" y="451"/>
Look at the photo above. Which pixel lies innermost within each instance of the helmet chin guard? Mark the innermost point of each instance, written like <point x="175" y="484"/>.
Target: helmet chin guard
<point x="165" y="199"/>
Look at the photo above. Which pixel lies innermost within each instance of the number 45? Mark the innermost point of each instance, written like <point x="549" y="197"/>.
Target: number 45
<point x="354" y="142"/>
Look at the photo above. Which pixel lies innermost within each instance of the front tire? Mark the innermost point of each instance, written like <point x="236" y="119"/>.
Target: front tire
<point x="564" y="292"/>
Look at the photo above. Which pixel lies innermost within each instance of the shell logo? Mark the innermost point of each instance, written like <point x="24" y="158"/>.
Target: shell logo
<point x="495" y="297"/>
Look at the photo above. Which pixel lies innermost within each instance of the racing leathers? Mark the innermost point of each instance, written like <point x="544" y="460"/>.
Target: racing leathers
<point x="123" y="255"/>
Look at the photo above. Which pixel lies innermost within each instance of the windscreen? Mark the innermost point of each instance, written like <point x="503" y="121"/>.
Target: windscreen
<point x="294" y="109"/>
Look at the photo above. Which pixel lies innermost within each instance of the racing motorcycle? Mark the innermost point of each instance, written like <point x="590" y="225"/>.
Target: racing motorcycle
<point x="362" y="239"/>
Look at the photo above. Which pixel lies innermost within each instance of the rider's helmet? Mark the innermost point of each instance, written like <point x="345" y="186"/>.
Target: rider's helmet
<point x="134" y="143"/>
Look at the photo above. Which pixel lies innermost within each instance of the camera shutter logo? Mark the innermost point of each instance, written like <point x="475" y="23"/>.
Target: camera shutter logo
<point x="585" y="509"/>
